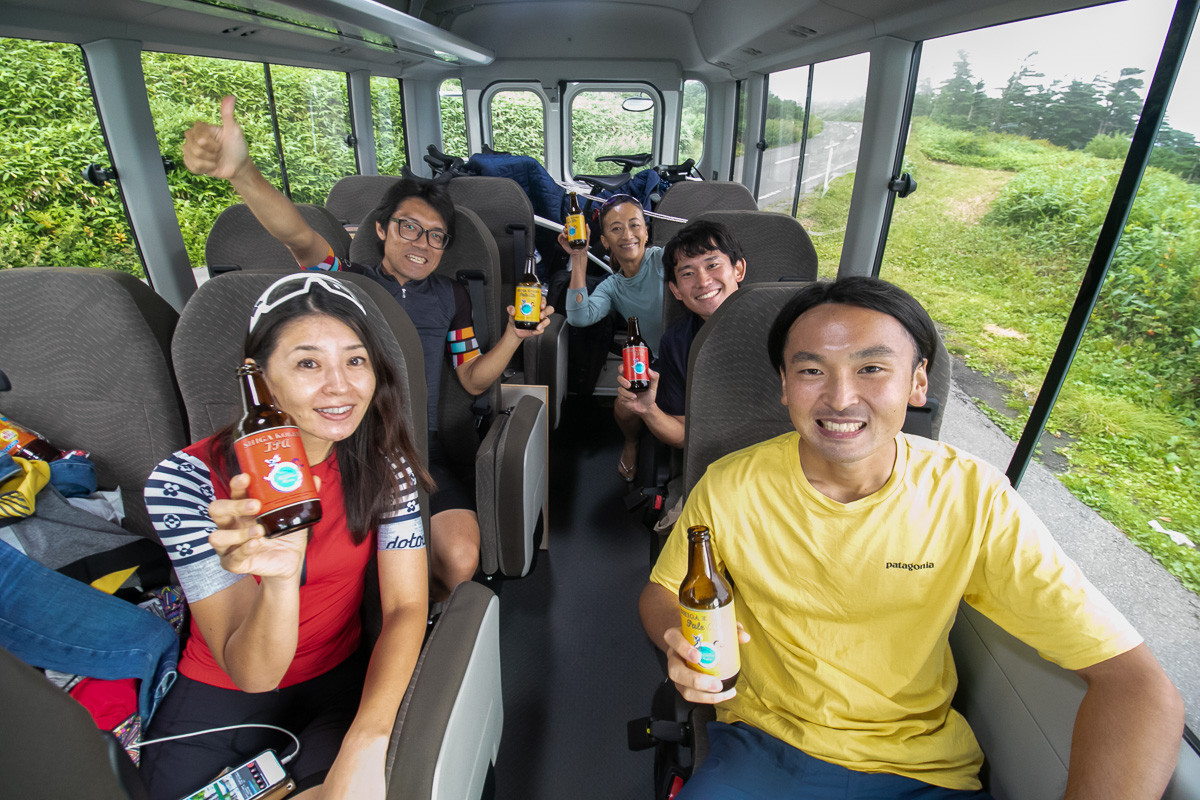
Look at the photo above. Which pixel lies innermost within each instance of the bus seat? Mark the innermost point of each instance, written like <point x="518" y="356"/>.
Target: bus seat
<point x="51" y="747"/>
<point x="88" y="354"/>
<point x="504" y="525"/>
<point x="239" y="241"/>
<point x="453" y="700"/>
<point x="460" y="660"/>
<point x="354" y="196"/>
<point x="504" y="208"/>
<point x="688" y="199"/>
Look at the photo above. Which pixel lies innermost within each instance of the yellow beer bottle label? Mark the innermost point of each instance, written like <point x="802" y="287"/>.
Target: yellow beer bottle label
<point x="529" y="304"/>
<point x="714" y="634"/>
<point x="575" y="228"/>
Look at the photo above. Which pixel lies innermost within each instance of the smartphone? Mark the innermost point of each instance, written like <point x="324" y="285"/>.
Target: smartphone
<point x="257" y="779"/>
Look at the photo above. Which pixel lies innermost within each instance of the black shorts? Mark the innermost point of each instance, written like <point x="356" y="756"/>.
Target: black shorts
<point x="452" y="493"/>
<point x="318" y="711"/>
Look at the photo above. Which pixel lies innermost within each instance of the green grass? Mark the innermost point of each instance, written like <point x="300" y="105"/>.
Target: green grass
<point x="1002" y="292"/>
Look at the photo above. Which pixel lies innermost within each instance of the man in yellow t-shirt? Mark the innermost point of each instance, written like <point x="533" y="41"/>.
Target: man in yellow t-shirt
<point x="850" y="545"/>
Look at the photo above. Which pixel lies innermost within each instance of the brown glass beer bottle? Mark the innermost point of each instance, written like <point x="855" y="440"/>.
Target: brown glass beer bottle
<point x="528" y="313"/>
<point x="635" y="358"/>
<point x="17" y="440"/>
<point x="575" y="228"/>
<point x="269" y="450"/>
<point x="706" y="612"/>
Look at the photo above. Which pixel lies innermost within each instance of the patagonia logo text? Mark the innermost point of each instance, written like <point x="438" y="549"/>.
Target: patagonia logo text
<point x="908" y="566"/>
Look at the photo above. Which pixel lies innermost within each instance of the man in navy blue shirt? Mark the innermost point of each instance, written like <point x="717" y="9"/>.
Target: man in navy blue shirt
<point x="703" y="265"/>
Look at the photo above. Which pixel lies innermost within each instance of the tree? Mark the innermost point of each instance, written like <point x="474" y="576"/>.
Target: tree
<point x="1018" y="110"/>
<point x="961" y="102"/>
<point x="1122" y="103"/>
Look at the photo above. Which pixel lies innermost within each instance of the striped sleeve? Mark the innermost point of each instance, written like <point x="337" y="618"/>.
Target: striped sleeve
<point x="402" y="528"/>
<point x="177" y="496"/>
<point x="463" y="346"/>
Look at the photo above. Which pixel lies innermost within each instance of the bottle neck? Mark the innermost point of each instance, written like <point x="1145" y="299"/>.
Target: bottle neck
<point x="255" y="393"/>
<point x="700" y="558"/>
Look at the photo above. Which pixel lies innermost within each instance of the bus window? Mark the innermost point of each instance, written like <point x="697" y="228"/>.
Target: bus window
<point x="49" y="133"/>
<point x="1017" y="150"/>
<point x="183" y="89"/>
<point x="314" y="121"/>
<point x="783" y="132"/>
<point x="454" y="118"/>
<point x="831" y="153"/>
<point x="601" y="125"/>
<point x="516" y="120"/>
<point x="691" y="122"/>
<point x="387" y="116"/>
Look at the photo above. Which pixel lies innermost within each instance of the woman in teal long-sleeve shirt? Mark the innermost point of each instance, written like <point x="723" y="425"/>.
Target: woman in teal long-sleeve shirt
<point x="634" y="290"/>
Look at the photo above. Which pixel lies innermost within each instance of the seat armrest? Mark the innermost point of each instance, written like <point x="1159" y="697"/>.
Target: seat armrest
<point x="448" y="727"/>
<point x="545" y="363"/>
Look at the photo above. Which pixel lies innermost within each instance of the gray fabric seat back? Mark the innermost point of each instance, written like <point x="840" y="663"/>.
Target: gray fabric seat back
<point x="733" y="391"/>
<point x="50" y="747"/>
<point x="88" y="354"/>
<point x="354" y="196"/>
<point x="776" y="247"/>
<point x="238" y="239"/>
<point x="688" y="199"/>
<point x="207" y="348"/>
<point x="501" y="204"/>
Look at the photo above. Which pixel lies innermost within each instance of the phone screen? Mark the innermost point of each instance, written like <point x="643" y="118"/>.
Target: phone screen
<point x="244" y="783"/>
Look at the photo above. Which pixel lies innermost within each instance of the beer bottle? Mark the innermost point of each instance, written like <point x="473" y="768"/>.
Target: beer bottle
<point x="575" y="228"/>
<point x="17" y="440"/>
<point x="635" y="358"/>
<point x="529" y="299"/>
<point x="269" y="450"/>
<point x="706" y="612"/>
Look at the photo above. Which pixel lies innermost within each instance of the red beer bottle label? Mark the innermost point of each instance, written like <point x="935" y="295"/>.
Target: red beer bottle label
<point x="636" y="363"/>
<point x="278" y="469"/>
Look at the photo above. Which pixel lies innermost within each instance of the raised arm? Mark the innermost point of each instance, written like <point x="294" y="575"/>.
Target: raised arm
<point x="220" y="151"/>
<point x="485" y="369"/>
<point x="1127" y="731"/>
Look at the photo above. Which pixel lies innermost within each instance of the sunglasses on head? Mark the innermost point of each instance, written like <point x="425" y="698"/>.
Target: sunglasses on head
<point x="265" y="303"/>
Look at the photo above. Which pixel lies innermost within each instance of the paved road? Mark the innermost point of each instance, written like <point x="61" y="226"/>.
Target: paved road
<point x="831" y="153"/>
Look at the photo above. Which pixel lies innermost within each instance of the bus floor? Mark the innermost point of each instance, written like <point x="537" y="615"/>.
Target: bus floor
<point x="576" y="663"/>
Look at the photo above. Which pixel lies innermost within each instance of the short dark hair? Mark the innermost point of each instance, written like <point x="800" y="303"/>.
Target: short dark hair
<point x="431" y="192"/>
<point x="870" y="293"/>
<point x="698" y="237"/>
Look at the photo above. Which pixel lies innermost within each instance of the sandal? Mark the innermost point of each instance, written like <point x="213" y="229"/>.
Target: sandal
<point x="628" y="473"/>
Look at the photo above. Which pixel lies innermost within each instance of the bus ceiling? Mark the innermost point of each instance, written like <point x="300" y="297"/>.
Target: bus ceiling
<point x="414" y="38"/>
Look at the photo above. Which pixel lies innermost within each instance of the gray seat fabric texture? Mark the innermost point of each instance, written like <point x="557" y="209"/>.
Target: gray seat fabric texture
<point x="238" y="239"/>
<point x="49" y="745"/>
<point x="499" y="203"/>
<point x="688" y="199"/>
<point x="88" y="354"/>
<point x="354" y="196"/>
<point x="776" y="247"/>
<point x="733" y="391"/>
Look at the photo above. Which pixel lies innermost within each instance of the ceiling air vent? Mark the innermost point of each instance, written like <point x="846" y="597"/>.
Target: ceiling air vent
<point x="801" y="31"/>
<point x="342" y="51"/>
<point x="752" y="52"/>
<point x="240" y="30"/>
<point x="724" y="64"/>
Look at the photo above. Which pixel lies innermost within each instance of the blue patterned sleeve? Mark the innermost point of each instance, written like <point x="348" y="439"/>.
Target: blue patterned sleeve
<point x="402" y="528"/>
<point x="177" y="496"/>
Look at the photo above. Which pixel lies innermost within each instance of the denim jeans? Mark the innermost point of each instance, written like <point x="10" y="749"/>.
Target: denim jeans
<point x="54" y="622"/>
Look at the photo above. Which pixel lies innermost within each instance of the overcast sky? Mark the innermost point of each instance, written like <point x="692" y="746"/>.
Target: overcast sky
<point x="1075" y="45"/>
